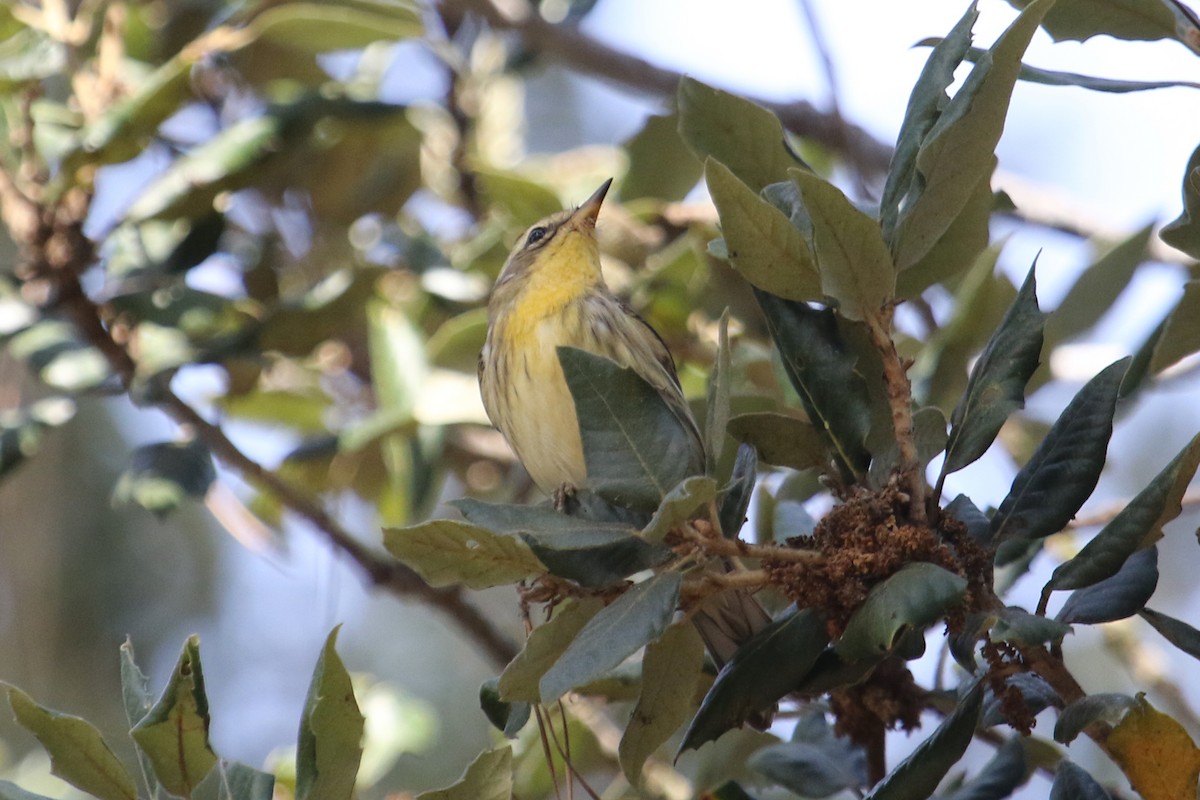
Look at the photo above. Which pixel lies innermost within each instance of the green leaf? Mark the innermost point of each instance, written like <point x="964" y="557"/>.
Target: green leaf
<point x="660" y="164"/>
<point x="508" y="718"/>
<point x="925" y="105"/>
<point x="734" y="500"/>
<point x="999" y="778"/>
<point x="446" y="552"/>
<point x="1183" y="233"/>
<point x="78" y="754"/>
<point x="597" y="557"/>
<point x="916" y="596"/>
<point x="965" y="511"/>
<point x="996" y="387"/>
<point x="1137" y="525"/>
<point x="520" y="198"/>
<point x="519" y="681"/>
<point x="488" y="777"/>
<point x="174" y="733"/>
<point x="637" y="448"/>
<point x="1064" y="469"/>
<point x="635" y="619"/>
<point x="821" y="367"/>
<point x="1181" y="330"/>
<point x="745" y="137"/>
<point x="670" y="674"/>
<point x="1175" y="631"/>
<point x="917" y="776"/>
<point x="780" y="439"/>
<point x="764" y="669"/>
<point x="680" y="505"/>
<point x="161" y="476"/>
<point x="326" y="27"/>
<point x="1072" y="782"/>
<point x="957" y="153"/>
<point x="1118" y="597"/>
<point x="855" y="266"/>
<point x="716" y="415"/>
<point x="1100" y="707"/>
<point x="331" y="731"/>
<point x="1019" y="627"/>
<point x="1079" y="20"/>
<point x="761" y="242"/>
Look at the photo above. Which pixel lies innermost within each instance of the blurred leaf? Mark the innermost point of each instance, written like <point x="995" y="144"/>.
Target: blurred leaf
<point x="637" y="448"/>
<point x="914" y="597"/>
<point x="660" y="164"/>
<point x="636" y="618"/>
<point x="716" y="414"/>
<point x="1097" y="288"/>
<point x="161" y="475"/>
<point x="680" y="505"/>
<point x="508" y="718"/>
<point x="925" y="105"/>
<point x="821" y="368"/>
<point x="1104" y="707"/>
<point x="734" y="500"/>
<point x="1139" y="524"/>
<point x="188" y="187"/>
<point x="1156" y="753"/>
<point x="999" y="778"/>
<point x="446" y="552"/>
<point x="247" y="783"/>
<point x="488" y="777"/>
<point x="1175" y="631"/>
<point x="174" y="733"/>
<point x="997" y="384"/>
<point x="957" y="152"/>
<point x="325" y="27"/>
<point x="53" y="351"/>
<point x="764" y="669"/>
<point x="1118" y="597"/>
<point x="1071" y="782"/>
<point x="302" y="410"/>
<point x="743" y="136"/>
<point x="1183" y="233"/>
<point x="917" y="776"/>
<point x="520" y="198"/>
<point x="1080" y="20"/>
<point x="1063" y="471"/>
<point x="853" y="261"/>
<point x="29" y="56"/>
<point x="21" y="429"/>
<point x="10" y="791"/>
<point x="729" y="791"/>
<point x="77" y="752"/>
<point x="780" y="439"/>
<point x="1181" y="330"/>
<point x="331" y="731"/>
<point x="519" y="681"/>
<point x="670" y="674"/>
<point x="760" y="241"/>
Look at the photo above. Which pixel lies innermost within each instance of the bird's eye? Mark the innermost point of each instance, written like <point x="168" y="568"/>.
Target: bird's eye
<point x="536" y="235"/>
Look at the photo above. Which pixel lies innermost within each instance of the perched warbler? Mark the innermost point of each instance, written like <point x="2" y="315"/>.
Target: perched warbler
<point x="551" y="293"/>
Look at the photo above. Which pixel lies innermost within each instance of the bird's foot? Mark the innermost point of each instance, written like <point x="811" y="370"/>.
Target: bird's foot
<point x="564" y="498"/>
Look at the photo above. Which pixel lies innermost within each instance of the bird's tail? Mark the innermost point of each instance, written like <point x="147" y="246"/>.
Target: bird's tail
<point x="727" y="620"/>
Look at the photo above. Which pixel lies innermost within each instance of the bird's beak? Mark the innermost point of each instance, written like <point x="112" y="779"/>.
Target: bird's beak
<point x="587" y="213"/>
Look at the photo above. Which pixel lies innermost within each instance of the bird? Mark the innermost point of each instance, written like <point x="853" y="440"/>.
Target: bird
<point x="551" y="293"/>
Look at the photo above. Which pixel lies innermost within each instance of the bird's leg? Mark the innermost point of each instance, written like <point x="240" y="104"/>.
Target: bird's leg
<point x="564" y="498"/>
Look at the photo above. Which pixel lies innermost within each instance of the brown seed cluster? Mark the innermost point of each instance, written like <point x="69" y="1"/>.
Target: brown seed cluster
<point x="867" y="539"/>
<point x="887" y="699"/>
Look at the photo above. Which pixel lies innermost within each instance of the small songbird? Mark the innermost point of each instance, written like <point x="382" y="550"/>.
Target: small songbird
<point x="551" y="293"/>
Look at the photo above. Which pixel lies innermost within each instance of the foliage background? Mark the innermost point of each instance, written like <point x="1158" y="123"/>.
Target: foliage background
<point x="78" y="574"/>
